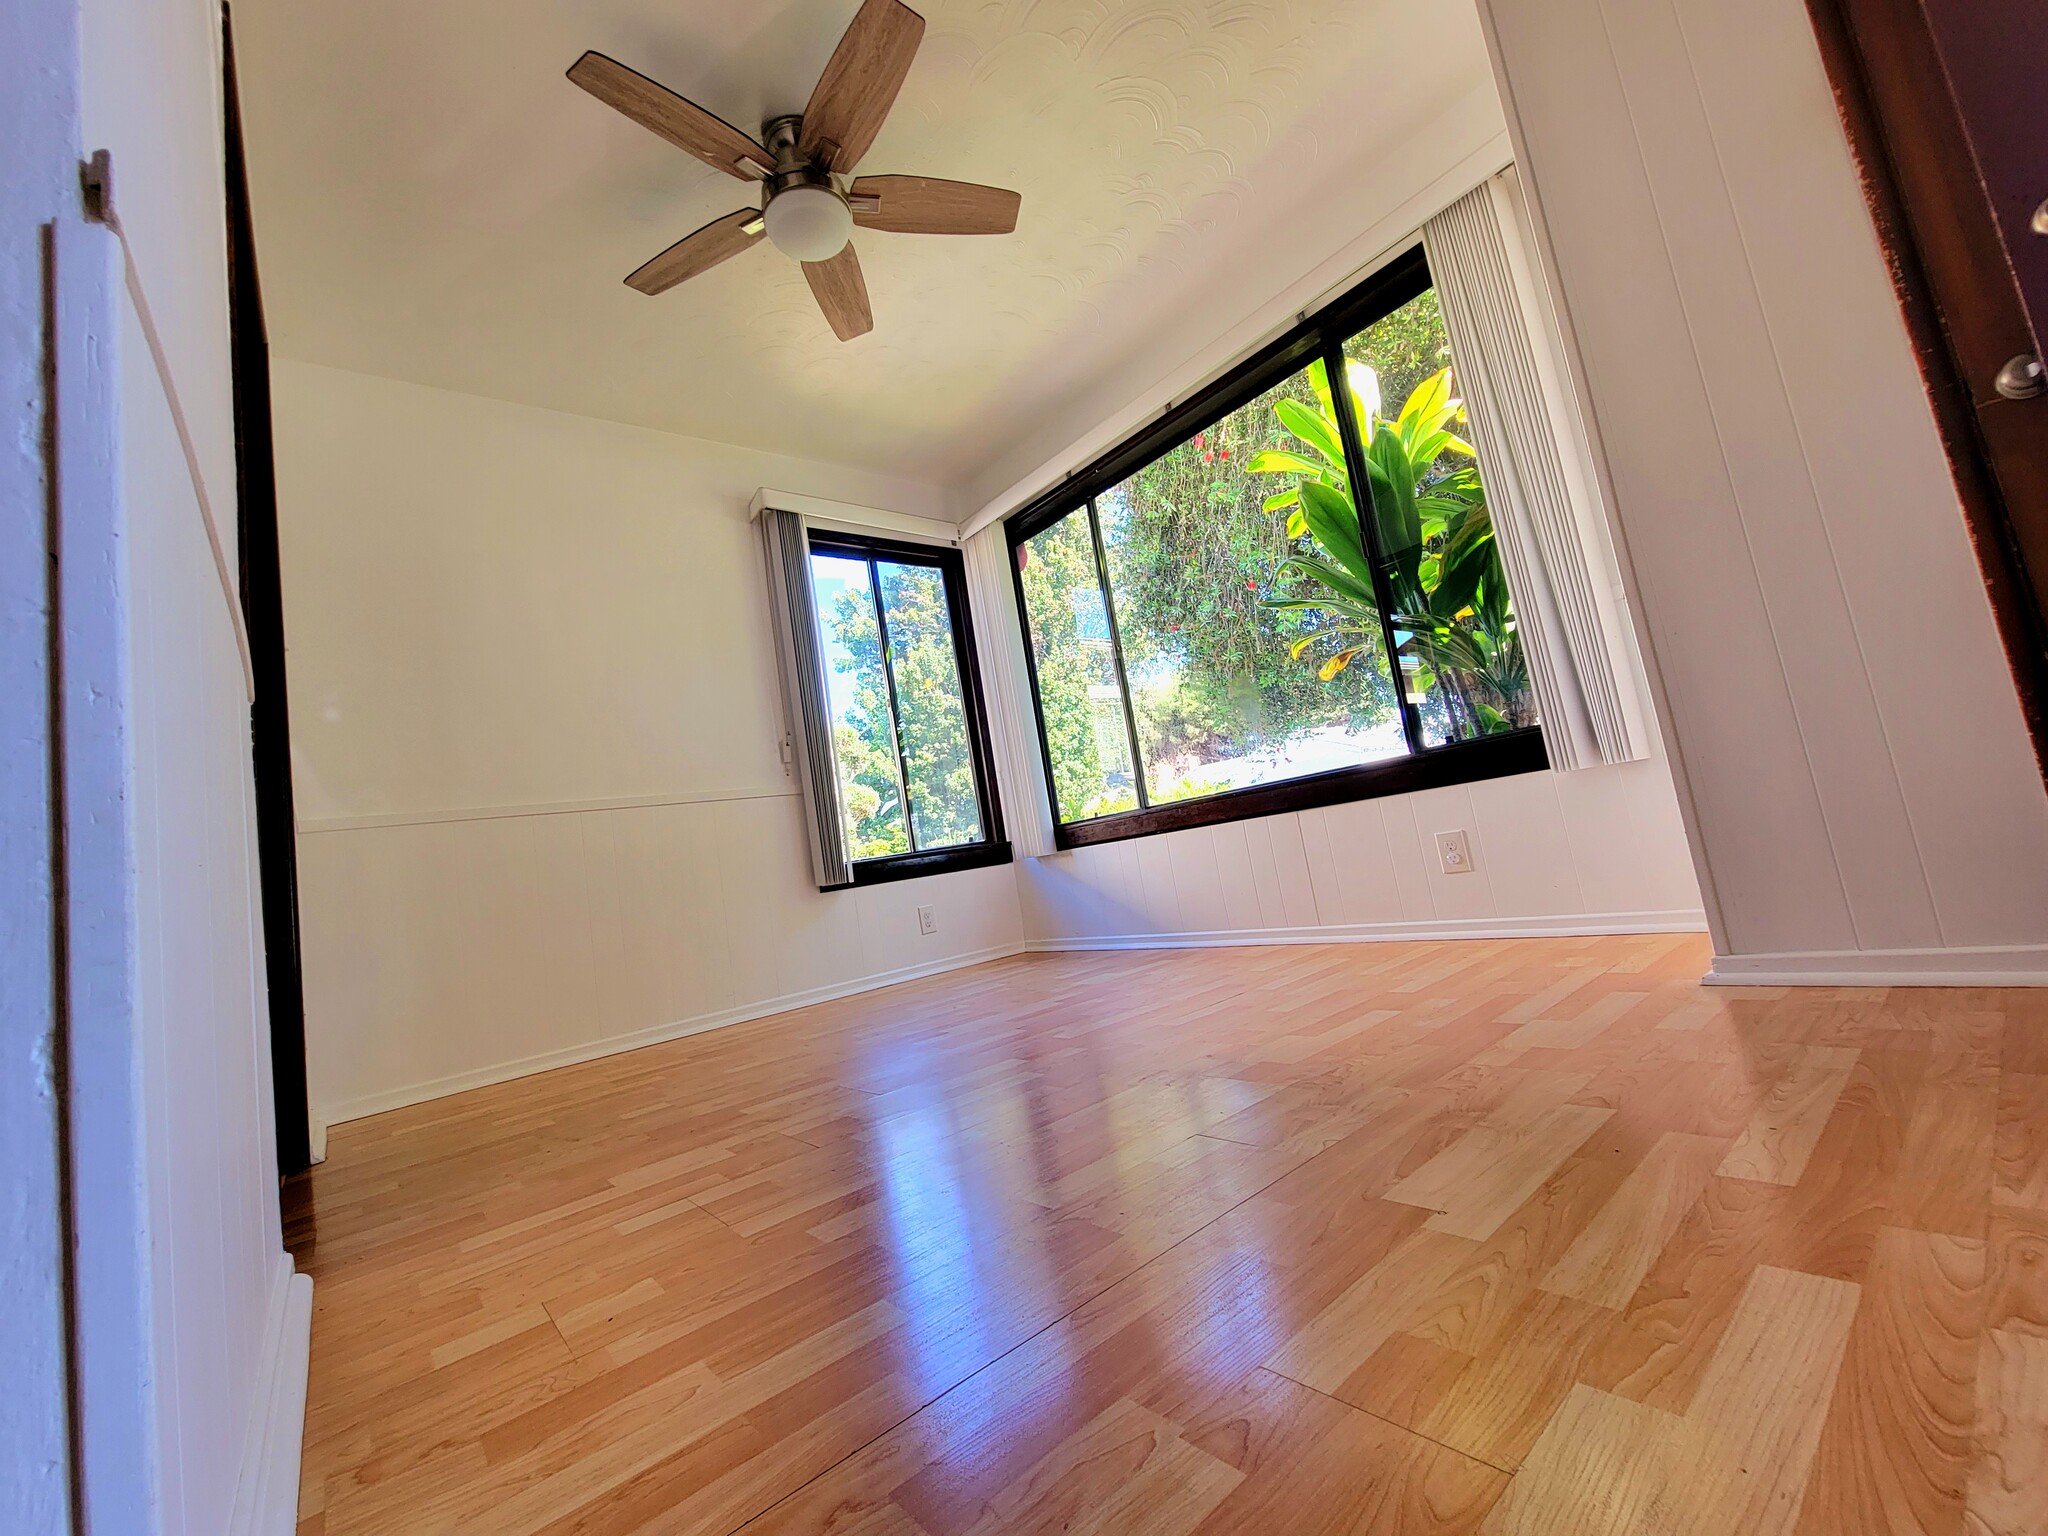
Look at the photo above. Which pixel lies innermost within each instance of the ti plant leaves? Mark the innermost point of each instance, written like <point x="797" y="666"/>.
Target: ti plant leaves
<point x="1452" y="614"/>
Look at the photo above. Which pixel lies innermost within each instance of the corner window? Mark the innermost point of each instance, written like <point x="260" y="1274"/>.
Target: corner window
<point x="1215" y="629"/>
<point x="909" y="738"/>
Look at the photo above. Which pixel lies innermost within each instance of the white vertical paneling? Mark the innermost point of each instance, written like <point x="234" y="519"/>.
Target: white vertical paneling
<point x="1887" y="565"/>
<point x="1258" y="841"/>
<point x="1110" y="872"/>
<point x="558" y="884"/>
<point x="747" y="883"/>
<point x="1289" y="835"/>
<point x="1858" y="780"/>
<point x="1460" y="898"/>
<point x="1520" y="844"/>
<point x="1198" y="881"/>
<point x="1404" y="850"/>
<point x="693" y="933"/>
<point x="1319" y="860"/>
<point x="817" y="941"/>
<point x="1600" y="826"/>
<point x="1665" y="856"/>
<point x="1156" y="894"/>
<point x="1234" y="876"/>
<point x="1599" y="849"/>
<point x="976" y="911"/>
<point x="1693" y="563"/>
<point x="1772" y="482"/>
<point x="1367" y="890"/>
<point x="635" y="917"/>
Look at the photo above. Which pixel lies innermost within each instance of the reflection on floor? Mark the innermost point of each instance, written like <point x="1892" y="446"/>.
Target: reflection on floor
<point x="1518" y="1237"/>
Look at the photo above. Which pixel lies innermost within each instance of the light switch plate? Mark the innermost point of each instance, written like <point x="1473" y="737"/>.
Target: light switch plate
<point x="1455" y="850"/>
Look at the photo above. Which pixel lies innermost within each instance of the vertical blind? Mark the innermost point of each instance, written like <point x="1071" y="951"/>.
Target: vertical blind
<point x="1579" y="660"/>
<point x="786" y="539"/>
<point x="999" y="638"/>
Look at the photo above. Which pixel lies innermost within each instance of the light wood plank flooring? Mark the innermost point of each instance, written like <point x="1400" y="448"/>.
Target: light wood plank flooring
<point x="1513" y="1238"/>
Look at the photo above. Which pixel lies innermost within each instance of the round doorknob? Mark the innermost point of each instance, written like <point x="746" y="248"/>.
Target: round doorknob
<point x="2022" y="378"/>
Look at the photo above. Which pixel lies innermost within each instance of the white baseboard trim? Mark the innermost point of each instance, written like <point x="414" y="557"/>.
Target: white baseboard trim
<point x="2013" y="965"/>
<point x="1577" y="925"/>
<point x="612" y="1045"/>
<point x="267" y="1491"/>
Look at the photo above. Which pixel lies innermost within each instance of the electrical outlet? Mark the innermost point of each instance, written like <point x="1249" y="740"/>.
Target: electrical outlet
<point x="1455" y="850"/>
<point x="927" y="920"/>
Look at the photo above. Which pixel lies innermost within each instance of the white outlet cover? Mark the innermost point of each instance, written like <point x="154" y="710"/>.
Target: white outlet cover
<point x="1454" y="851"/>
<point x="927" y="920"/>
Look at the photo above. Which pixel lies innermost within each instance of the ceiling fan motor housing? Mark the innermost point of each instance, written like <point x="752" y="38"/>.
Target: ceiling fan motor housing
<point x="805" y="212"/>
<point x="803" y="209"/>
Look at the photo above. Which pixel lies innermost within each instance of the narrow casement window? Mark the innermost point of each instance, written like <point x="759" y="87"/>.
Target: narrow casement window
<point x="1288" y="593"/>
<point x="908" y="734"/>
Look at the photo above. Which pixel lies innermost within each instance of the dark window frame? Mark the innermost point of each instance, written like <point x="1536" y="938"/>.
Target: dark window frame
<point x="994" y="848"/>
<point x="1317" y="337"/>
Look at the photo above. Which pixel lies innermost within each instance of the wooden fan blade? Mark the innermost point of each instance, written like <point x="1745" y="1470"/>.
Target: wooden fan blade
<point x="860" y="84"/>
<point x="683" y="123"/>
<point x="920" y="205"/>
<point x="699" y="252"/>
<point x="843" y="295"/>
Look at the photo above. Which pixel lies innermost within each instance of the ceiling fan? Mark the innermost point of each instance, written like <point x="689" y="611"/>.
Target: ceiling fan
<point x="799" y="160"/>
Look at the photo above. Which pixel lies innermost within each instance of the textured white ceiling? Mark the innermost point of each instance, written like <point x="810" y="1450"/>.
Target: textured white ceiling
<point x="434" y="202"/>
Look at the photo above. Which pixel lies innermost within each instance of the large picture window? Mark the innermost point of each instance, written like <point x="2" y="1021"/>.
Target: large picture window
<point x="1216" y="631"/>
<point x="909" y="741"/>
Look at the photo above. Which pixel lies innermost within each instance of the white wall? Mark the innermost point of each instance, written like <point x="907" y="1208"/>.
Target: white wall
<point x="38" y="124"/>
<point x="1863" y="798"/>
<point x="536" y="736"/>
<point x="1600" y="850"/>
<point x="218" y="1272"/>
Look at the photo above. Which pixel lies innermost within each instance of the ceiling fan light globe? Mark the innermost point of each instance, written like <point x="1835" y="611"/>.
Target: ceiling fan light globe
<point x="808" y="223"/>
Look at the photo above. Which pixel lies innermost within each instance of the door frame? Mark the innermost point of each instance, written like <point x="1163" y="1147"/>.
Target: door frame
<point x="261" y="584"/>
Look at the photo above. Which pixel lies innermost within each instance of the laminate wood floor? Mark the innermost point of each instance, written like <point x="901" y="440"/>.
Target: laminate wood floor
<point x="1514" y="1238"/>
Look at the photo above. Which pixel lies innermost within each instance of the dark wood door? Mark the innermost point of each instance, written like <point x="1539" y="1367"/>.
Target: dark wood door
<point x="1946" y="104"/>
<point x="1995" y="54"/>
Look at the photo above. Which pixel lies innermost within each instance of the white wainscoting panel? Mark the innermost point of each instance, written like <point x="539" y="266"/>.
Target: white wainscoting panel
<point x="1598" y="851"/>
<point x="441" y="955"/>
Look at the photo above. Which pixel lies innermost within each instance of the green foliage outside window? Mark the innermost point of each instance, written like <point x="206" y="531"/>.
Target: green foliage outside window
<point x="1453" y="618"/>
<point x="870" y="792"/>
<point x="1193" y="554"/>
<point x="944" y="811"/>
<point x="1069" y="630"/>
<point x="1245" y="600"/>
